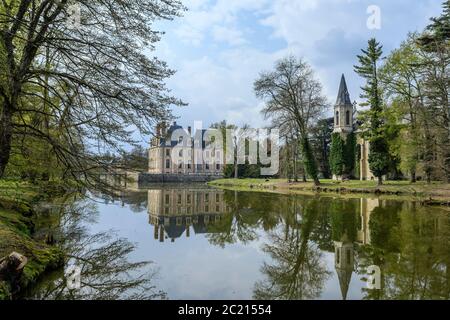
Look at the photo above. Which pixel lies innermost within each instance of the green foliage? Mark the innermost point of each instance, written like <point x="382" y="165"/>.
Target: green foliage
<point x="344" y="220"/>
<point x="368" y="69"/>
<point x="321" y="141"/>
<point x="308" y="158"/>
<point x="350" y="154"/>
<point x="337" y="161"/>
<point x="342" y="155"/>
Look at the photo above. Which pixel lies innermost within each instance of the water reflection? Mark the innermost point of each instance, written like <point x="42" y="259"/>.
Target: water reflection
<point x="410" y="243"/>
<point x="174" y="212"/>
<point x="102" y="258"/>
<point x="269" y="246"/>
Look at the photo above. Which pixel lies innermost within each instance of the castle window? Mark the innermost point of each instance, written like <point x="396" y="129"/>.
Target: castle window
<point x="347" y="118"/>
<point x="180" y="153"/>
<point x="167" y="163"/>
<point x="207" y="166"/>
<point x="168" y="152"/>
<point x="189" y="165"/>
<point x="337" y="118"/>
<point x="167" y="199"/>
<point x="180" y="165"/>
<point x="180" y="139"/>
<point x="218" y="166"/>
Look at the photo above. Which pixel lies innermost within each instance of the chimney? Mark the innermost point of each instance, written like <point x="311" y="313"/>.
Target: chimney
<point x="190" y="130"/>
<point x="163" y="128"/>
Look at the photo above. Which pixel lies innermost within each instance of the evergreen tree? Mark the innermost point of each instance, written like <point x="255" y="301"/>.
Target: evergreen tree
<point x="368" y="69"/>
<point x="337" y="161"/>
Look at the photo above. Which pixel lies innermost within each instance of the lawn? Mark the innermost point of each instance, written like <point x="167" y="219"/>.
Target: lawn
<point x="421" y="189"/>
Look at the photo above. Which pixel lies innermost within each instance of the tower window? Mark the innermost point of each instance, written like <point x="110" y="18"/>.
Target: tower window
<point x="167" y="163"/>
<point x="337" y="118"/>
<point x="347" y="118"/>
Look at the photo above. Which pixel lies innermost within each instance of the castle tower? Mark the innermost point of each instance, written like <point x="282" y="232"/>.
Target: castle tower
<point x="343" y="111"/>
<point x="344" y="264"/>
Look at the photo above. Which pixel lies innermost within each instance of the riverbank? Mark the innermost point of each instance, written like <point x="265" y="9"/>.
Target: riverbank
<point x="16" y="235"/>
<point x="431" y="194"/>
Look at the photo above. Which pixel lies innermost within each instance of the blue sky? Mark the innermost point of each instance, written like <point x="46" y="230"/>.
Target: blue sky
<point x="220" y="46"/>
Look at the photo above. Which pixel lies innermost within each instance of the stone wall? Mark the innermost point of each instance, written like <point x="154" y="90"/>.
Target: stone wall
<point x="147" y="178"/>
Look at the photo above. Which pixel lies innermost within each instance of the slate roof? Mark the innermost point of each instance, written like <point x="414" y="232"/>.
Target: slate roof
<point x="343" y="97"/>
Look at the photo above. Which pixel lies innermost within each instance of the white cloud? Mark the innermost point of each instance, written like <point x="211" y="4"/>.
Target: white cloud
<point x="232" y="36"/>
<point x="219" y="47"/>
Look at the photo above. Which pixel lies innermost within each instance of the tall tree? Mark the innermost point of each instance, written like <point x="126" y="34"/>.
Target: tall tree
<point x="104" y="82"/>
<point x="368" y="69"/>
<point x="403" y="86"/>
<point x="435" y="43"/>
<point x="291" y="91"/>
<point x="322" y="135"/>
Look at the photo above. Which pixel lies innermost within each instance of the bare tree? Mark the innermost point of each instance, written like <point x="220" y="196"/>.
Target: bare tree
<point x="292" y="93"/>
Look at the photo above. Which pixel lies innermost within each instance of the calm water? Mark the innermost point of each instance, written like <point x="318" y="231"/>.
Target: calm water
<point x="213" y="244"/>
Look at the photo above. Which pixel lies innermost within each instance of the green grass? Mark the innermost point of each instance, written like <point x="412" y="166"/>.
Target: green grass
<point x="16" y="233"/>
<point x="420" y="189"/>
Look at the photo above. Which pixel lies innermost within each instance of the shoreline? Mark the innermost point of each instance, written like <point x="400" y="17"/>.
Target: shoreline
<point x="17" y="226"/>
<point x="436" y="194"/>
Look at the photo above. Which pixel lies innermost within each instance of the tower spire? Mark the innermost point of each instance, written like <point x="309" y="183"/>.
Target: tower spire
<point x="343" y="95"/>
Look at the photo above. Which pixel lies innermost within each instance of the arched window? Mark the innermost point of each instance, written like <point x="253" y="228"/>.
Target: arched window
<point x="347" y="118"/>
<point x="337" y="118"/>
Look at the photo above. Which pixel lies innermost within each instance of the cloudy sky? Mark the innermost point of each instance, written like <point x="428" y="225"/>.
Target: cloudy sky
<point x="220" y="46"/>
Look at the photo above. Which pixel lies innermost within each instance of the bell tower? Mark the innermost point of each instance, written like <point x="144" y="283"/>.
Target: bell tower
<point x="343" y="111"/>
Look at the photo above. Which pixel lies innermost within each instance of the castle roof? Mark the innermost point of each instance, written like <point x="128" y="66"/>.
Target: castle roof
<point x="343" y="97"/>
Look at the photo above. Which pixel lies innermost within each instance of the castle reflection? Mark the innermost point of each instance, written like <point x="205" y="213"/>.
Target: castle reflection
<point x="174" y="212"/>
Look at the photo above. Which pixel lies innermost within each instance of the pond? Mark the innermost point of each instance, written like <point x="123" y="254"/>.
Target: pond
<point x="206" y="243"/>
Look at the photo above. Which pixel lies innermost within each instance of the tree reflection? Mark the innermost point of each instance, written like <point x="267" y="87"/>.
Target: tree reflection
<point x="248" y="213"/>
<point x="412" y="248"/>
<point x="298" y="271"/>
<point x="106" y="271"/>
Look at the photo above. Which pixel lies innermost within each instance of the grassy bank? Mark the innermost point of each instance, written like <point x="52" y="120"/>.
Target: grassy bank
<point x="435" y="193"/>
<point x="16" y="233"/>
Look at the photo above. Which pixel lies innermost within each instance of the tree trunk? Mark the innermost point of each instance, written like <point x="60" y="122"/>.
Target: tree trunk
<point x="413" y="176"/>
<point x="380" y="181"/>
<point x="5" y="137"/>
<point x="236" y="171"/>
<point x="316" y="181"/>
<point x="309" y="160"/>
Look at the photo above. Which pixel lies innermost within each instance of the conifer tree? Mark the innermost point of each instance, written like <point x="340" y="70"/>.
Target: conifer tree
<point x="368" y="69"/>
